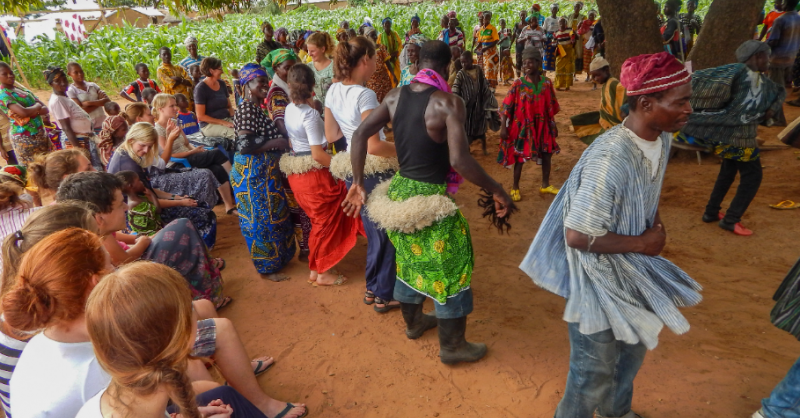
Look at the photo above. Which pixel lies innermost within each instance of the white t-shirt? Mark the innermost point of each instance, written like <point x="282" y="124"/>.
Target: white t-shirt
<point x="91" y="94"/>
<point x="91" y="409"/>
<point x="347" y="103"/>
<point x="305" y="127"/>
<point x="62" y="107"/>
<point x="650" y="149"/>
<point x="54" y="379"/>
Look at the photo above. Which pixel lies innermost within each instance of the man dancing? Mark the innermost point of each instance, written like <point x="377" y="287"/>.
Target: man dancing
<point x="599" y="243"/>
<point x="430" y="235"/>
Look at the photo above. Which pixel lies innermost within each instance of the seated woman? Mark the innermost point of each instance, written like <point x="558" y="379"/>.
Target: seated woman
<point x="111" y="135"/>
<point x="138" y="152"/>
<point x="172" y="142"/>
<point x="212" y="101"/>
<point x="48" y="170"/>
<point x="198" y="183"/>
<point x="148" y="359"/>
<point x="333" y="234"/>
<point x="263" y="206"/>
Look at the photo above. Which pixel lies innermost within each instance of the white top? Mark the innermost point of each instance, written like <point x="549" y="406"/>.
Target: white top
<point x="55" y="379"/>
<point x="91" y="409"/>
<point x="347" y="103"/>
<point x="91" y="94"/>
<point x="550" y="24"/>
<point x="62" y="107"/>
<point x="651" y="150"/>
<point x="305" y="127"/>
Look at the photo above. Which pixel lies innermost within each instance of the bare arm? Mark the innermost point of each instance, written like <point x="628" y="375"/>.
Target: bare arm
<point x="332" y="130"/>
<point x="651" y="242"/>
<point x="28" y="112"/>
<point x="319" y="155"/>
<point x="200" y="110"/>
<point x="374" y="144"/>
<point x="127" y="97"/>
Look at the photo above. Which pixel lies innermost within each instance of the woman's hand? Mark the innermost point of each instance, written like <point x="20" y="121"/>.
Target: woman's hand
<point x="189" y="203"/>
<point x="503" y="133"/>
<point x="227" y="123"/>
<point x="143" y="240"/>
<point x="173" y="130"/>
<point x="216" y="409"/>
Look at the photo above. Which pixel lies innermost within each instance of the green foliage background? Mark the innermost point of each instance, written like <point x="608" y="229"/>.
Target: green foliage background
<point x="110" y="54"/>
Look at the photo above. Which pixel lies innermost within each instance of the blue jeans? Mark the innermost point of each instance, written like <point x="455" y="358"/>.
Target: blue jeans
<point x="601" y="373"/>
<point x="784" y="401"/>
<point x="457" y="306"/>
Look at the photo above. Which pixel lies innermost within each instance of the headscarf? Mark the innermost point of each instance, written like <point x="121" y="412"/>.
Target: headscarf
<point x="250" y="72"/>
<point x="452" y="14"/>
<point x="536" y="7"/>
<point x="367" y="21"/>
<point x="264" y="25"/>
<point x="368" y="30"/>
<point x="749" y="48"/>
<point x="554" y="6"/>
<point x="17" y="172"/>
<point x="416" y="17"/>
<point x="275" y="58"/>
<point x="51" y="72"/>
<point x="597" y="63"/>
<point x="531" y="53"/>
<point x="106" y="135"/>
<point x="385" y="19"/>
<point x="280" y="31"/>
<point x="578" y="2"/>
<point x="652" y="73"/>
<point x="190" y="40"/>
<point x="417" y="39"/>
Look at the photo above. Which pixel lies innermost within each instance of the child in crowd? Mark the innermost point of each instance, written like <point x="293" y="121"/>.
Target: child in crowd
<point x="195" y="74"/>
<point x="144" y="213"/>
<point x="506" y="67"/>
<point x="237" y="89"/>
<point x="187" y="118"/>
<point x="148" y="95"/>
<point x="140" y="85"/>
<point x="15" y="178"/>
<point x="530" y="109"/>
<point x="471" y="85"/>
<point x="112" y="109"/>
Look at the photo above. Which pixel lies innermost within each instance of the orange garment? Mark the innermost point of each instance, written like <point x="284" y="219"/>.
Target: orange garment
<point x="770" y="19"/>
<point x="333" y="233"/>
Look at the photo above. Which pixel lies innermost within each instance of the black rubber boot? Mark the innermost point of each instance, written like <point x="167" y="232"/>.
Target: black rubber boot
<point x="453" y="346"/>
<point x="416" y="322"/>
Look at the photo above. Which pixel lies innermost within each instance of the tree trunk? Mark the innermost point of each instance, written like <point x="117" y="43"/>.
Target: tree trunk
<point x="631" y="28"/>
<point x="718" y="39"/>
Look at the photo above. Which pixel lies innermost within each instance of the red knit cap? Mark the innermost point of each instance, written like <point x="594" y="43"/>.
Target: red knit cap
<point x="651" y="73"/>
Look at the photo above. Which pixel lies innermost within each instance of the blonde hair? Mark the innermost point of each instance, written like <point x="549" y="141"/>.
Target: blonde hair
<point x="134" y="111"/>
<point x="143" y="133"/>
<point x="139" y="319"/>
<point x="322" y="40"/>
<point x="161" y="101"/>
<point x="39" y="225"/>
<point x="48" y="170"/>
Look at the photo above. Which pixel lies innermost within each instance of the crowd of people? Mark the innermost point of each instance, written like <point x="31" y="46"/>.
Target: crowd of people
<point x="110" y="294"/>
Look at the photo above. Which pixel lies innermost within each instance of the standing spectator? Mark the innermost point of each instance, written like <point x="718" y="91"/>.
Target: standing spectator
<point x="451" y="35"/>
<point x="87" y="95"/>
<point x="193" y="58"/>
<point x="784" y="39"/>
<point x="173" y="78"/>
<point x="472" y="86"/>
<point x="394" y="45"/>
<point x="138" y="86"/>
<point x="550" y="27"/>
<point x="489" y="39"/>
<point x="671" y="30"/>
<point x="769" y="20"/>
<point x="24" y="111"/>
<point x="519" y="44"/>
<point x="320" y="47"/>
<point x="268" y="44"/>
<point x="692" y="23"/>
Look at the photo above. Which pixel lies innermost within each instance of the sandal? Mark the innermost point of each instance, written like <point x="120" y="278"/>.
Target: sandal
<point x="369" y="295"/>
<point x="515" y="196"/>
<point x="386" y="306"/>
<point x="786" y="204"/>
<point x="218" y="263"/>
<point x="288" y="408"/>
<point x="261" y="366"/>
<point x="223" y="303"/>
<point x="549" y="189"/>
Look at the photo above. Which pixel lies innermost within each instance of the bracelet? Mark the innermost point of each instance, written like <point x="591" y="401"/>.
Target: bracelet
<point x="591" y="242"/>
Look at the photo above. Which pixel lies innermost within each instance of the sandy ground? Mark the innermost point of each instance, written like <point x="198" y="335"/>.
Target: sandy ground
<point x="344" y="360"/>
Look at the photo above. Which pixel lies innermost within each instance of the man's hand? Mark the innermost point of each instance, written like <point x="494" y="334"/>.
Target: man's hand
<point x="356" y="198"/>
<point x="503" y="132"/>
<point x="503" y="204"/>
<point x="654" y="240"/>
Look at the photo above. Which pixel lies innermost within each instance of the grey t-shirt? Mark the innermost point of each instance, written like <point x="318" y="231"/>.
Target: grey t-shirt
<point x="216" y="102"/>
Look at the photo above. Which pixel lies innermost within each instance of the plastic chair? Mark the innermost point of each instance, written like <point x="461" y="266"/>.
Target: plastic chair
<point x="183" y="161"/>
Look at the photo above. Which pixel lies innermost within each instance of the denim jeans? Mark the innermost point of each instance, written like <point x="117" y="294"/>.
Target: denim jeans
<point x="601" y="373"/>
<point x="457" y="306"/>
<point x="784" y="401"/>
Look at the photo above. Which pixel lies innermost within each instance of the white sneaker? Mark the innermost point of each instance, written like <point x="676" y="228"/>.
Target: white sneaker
<point x="758" y="414"/>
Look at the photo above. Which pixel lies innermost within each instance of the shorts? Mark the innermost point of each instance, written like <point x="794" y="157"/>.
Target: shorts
<point x="205" y="342"/>
<point x="457" y="306"/>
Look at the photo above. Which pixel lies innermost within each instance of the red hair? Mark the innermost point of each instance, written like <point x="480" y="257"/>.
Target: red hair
<point x="54" y="279"/>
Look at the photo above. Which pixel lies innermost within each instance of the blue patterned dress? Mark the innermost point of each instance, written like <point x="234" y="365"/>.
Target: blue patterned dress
<point x="264" y="215"/>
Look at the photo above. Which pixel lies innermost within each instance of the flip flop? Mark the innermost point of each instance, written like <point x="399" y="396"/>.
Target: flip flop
<point x="515" y="196"/>
<point x="386" y="306"/>
<point x="786" y="204"/>
<point x="261" y="367"/>
<point x="219" y="263"/>
<point x="288" y="408"/>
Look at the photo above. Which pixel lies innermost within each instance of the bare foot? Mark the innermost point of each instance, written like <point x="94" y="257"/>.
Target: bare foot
<point x="275" y="277"/>
<point x="330" y="279"/>
<point x="274" y="407"/>
<point x="313" y="276"/>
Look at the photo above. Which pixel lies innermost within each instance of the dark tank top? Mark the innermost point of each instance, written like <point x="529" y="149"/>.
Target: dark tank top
<point x="421" y="158"/>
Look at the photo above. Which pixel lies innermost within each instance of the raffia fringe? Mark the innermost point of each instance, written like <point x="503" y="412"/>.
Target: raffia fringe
<point x="410" y="215"/>
<point x="341" y="168"/>
<point x="292" y="164"/>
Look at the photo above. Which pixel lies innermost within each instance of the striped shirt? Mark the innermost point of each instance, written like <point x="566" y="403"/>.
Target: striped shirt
<point x="611" y="189"/>
<point x="10" y="350"/>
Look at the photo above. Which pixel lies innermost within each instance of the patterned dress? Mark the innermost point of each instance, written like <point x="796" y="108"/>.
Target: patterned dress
<point x="394" y="45"/>
<point x="165" y="71"/>
<point x="28" y="135"/>
<point x="277" y="100"/>
<point x="472" y="86"/>
<point x="531" y="108"/>
<point x="261" y="201"/>
<point x="565" y="65"/>
<point x="491" y="57"/>
<point x="381" y="80"/>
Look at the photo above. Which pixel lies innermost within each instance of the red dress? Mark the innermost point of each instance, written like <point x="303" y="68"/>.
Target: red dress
<point x="532" y="130"/>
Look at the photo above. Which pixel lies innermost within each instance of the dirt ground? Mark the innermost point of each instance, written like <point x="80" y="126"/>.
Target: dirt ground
<point x="344" y="360"/>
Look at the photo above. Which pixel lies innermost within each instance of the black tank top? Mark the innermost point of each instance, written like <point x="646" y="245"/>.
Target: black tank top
<point x="420" y="157"/>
